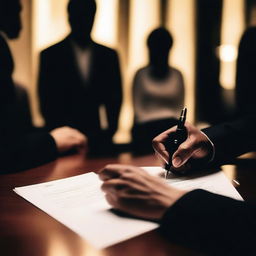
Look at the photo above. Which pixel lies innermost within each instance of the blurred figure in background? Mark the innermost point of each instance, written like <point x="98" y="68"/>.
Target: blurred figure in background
<point x="158" y="93"/>
<point x="245" y="74"/>
<point x="21" y="145"/>
<point x="77" y="76"/>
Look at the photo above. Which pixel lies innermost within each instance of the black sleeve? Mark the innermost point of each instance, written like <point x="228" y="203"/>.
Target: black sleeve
<point x="113" y="100"/>
<point x="43" y="85"/>
<point x="26" y="151"/>
<point x="212" y="223"/>
<point x="22" y="110"/>
<point x="233" y="139"/>
<point x="48" y="94"/>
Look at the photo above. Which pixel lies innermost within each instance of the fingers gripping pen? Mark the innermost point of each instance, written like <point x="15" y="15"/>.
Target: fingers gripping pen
<point x="175" y="139"/>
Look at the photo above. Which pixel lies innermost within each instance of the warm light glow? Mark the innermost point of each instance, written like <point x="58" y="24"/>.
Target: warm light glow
<point x="232" y="28"/>
<point x="144" y="17"/>
<point x="230" y="171"/>
<point x="181" y="14"/>
<point x="227" y="53"/>
<point x="50" y="22"/>
<point x="252" y="21"/>
<point x="58" y="245"/>
<point x="105" y="26"/>
<point x="105" y="32"/>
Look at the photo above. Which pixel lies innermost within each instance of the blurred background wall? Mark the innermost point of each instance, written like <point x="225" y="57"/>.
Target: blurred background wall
<point x="206" y="36"/>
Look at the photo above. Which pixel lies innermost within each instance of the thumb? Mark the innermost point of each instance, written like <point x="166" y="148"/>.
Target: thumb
<point x="183" y="153"/>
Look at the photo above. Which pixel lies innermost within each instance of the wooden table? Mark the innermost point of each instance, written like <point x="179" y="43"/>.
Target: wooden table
<point x="27" y="231"/>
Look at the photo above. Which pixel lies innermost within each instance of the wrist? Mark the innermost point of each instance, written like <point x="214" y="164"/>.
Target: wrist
<point x="211" y="148"/>
<point x="173" y="196"/>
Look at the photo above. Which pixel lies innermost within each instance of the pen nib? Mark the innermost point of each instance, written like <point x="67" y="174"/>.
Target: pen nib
<point x="183" y="113"/>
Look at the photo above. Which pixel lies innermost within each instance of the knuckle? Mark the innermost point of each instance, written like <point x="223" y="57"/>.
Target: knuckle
<point x="155" y="141"/>
<point x="184" y="148"/>
<point x="120" y="185"/>
<point x="125" y="176"/>
<point x="126" y="170"/>
<point x="123" y="193"/>
<point x="104" y="186"/>
<point x="128" y="176"/>
<point x="108" y="166"/>
<point x="192" y="139"/>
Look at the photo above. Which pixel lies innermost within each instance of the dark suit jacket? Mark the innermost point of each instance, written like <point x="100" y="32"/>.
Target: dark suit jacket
<point x="21" y="145"/>
<point x="24" y="151"/>
<point x="232" y="139"/>
<point x="216" y="224"/>
<point x="67" y="100"/>
<point x="212" y="223"/>
<point x="245" y="73"/>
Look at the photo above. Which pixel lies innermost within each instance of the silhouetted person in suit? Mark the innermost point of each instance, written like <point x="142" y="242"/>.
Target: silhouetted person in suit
<point x="21" y="145"/>
<point x="78" y="75"/>
<point x="246" y="75"/>
<point x="158" y="93"/>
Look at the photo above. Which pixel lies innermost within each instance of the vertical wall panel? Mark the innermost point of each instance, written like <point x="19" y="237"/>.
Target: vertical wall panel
<point x="123" y="28"/>
<point x="163" y="12"/>
<point x="233" y="13"/>
<point x="50" y="22"/>
<point x="21" y="48"/>
<point x="105" y="25"/>
<point x="181" y="22"/>
<point x="144" y="17"/>
<point x="209" y="107"/>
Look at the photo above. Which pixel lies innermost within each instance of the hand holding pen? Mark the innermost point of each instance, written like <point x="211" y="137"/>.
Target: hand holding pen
<point x="175" y="140"/>
<point x="196" y="147"/>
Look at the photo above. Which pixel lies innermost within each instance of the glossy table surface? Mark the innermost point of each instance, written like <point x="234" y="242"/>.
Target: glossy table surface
<point x="26" y="230"/>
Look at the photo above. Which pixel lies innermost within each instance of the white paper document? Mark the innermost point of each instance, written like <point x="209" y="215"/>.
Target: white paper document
<point x="215" y="182"/>
<point x="79" y="203"/>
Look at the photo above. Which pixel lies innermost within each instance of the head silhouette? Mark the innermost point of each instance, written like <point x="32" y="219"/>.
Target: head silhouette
<point x="10" y="22"/>
<point x="247" y="44"/>
<point x="159" y="44"/>
<point x="245" y="73"/>
<point x="81" y="16"/>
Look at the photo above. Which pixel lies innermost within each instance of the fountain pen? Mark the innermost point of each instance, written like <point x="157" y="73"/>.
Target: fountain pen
<point x="174" y="140"/>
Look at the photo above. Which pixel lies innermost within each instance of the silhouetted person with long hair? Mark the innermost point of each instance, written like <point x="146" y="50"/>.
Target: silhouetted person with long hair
<point x="21" y="145"/>
<point x="246" y="73"/>
<point x="158" y="93"/>
<point x="77" y="76"/>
